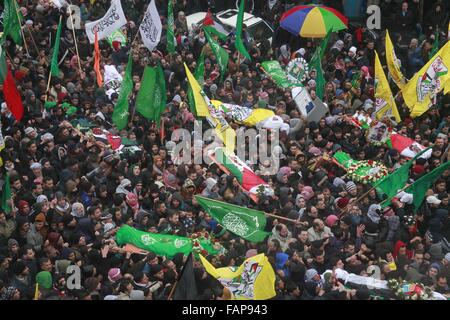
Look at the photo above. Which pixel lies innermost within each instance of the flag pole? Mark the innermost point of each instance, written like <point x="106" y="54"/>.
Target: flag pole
<point x="172" y="291"/>
<point x="50" y="73"/>
<point x="283" y="218"/>
<point x="21" y="31"/>
<point x="75" y="41"/>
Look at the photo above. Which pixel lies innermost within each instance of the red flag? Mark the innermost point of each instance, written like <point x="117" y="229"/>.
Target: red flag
<point x="208" y="19"/>
<point x="97" y="62"/>
<point x="12" y="96"/>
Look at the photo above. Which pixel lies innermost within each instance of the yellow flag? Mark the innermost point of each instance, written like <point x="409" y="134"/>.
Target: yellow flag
<point x="205" y="108"/>
<point x="384" y="101"/>
<point x="420" y="92"/>
<point x="392" y="63"/>
<point x="201" y="107"/>
<point x="242" y="115"/>
<point x="253" y="280"/>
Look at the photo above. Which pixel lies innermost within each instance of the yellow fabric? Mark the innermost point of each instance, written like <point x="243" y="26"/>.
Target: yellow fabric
<point x="204" y="107"/>
<point x="263" y="284"/>
<point x="419" y="91"/>
<point x="383" y="94"/>
<point x="391" y="60"/>
<point x="201" y="107"/>
<point x="255" y="117"/>
<point x="313" y="26"/>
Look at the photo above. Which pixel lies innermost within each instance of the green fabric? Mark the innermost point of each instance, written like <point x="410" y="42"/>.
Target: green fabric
<point x="11" y="22"/>
<point x="171" y="40"/>
<point x="127" y="142"/>
<point x="120" y="114"/>
<point x="6" y="196"/>
<point x="316" y="64"/>
<point x="221" y="54"/>
<point x="239" y="43"/>
<point x="215" y="32"/>
<point x="421" y="185"/>
<point x="274" y="70"/>
<point x="160" y="244"/>
<point x="343" y="158"/>
<point x="246" y="223"/>
<point x="151" y="99"/>
<point x="3" y="66"/>
<point x="199" y="74"/>
<point x="54" y="69"/>
<point x="395" y="181"/>
<point x="50" y="104"/>
<point x="228" y="163"/>
<point x="435" y="48"/>
<point x="44" y="279"/>
<point x="117" y="36"/>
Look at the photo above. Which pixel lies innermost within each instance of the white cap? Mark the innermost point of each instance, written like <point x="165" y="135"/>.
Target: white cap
<point x="352" y="49"/>
<point x="35" y="165"/>
<point x="47" y="137"/>
<point x="433" y="200"/>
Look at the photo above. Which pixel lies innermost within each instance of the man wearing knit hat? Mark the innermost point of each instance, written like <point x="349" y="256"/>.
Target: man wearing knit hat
<point x="351" y="188"/>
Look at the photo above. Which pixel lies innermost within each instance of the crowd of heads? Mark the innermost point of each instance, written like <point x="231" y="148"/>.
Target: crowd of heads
<point x="71" y="192"/>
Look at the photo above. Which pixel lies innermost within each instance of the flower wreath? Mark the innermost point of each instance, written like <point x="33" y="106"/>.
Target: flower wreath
<point x="410" y="290"/>
<point x="382" y="171"/>
<point x="297" y="63"/>
<point x="197" y="247"/>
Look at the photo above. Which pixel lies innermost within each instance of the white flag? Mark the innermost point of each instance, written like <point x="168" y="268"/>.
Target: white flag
<point x="151" y="27"/>
<point x="113" y="19"/>
<point x="112" y="80"/>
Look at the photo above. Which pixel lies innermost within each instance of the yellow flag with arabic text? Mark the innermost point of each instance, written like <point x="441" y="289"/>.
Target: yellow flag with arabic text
<point x="384" y="101"/>
<point x="252" y="280"/>
<point x="393" y="63"/>
<point x="420" y="92"/>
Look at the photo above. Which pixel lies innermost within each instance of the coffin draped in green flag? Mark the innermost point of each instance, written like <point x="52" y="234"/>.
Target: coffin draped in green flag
<point x="120" y="114"/>
<point x="221" y="54"/>
<point x="240" y="21"/>
<point x="11" y="22"/>
<point x="151" y="99"/>
<point x="246" y="223"/>
<point x="278" y="75"/>
<point x="171" y="40"/>
<point x="54" y="69"/>
<point x="160" y="244"/>
<point x="390" y="184"/>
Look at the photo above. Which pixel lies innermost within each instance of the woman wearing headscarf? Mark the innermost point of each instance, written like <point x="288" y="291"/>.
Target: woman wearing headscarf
<point x="337" y="48"/>
<point x="285" y="54"/>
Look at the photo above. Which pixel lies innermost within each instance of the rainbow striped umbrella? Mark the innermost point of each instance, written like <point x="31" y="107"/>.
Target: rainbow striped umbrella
<point x="313" y="21"/>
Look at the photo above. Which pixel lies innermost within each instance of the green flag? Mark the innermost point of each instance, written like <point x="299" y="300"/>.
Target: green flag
<point x="220" y="53"/>
<point x="246" y="223"/>
<point x="54" y="69"/>
<point x="3" y="66"/>
<point x="11" y="22"/>
<point x="316" y="64"/>
<point x="171" y="40"/>
<point x="390" y="184"/>
<point x="278" y="75"/>
<point x="435" y="48"/>
<point x="6" y="196"/>
<point x="239" y="43"/>
<point x="216" y="32"/>
<point x="420" y="187"/>
<point x="120" y="114"/>
<point x="160" y="244"/>
<point x="151" y="99"/>
<point x="199" y="74"/>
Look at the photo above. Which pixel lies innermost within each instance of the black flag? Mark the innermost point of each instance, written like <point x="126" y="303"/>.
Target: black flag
<point x="186" y="287"/>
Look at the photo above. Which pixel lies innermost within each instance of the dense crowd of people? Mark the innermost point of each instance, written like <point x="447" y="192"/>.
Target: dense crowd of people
<point x="71" y="193"/>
